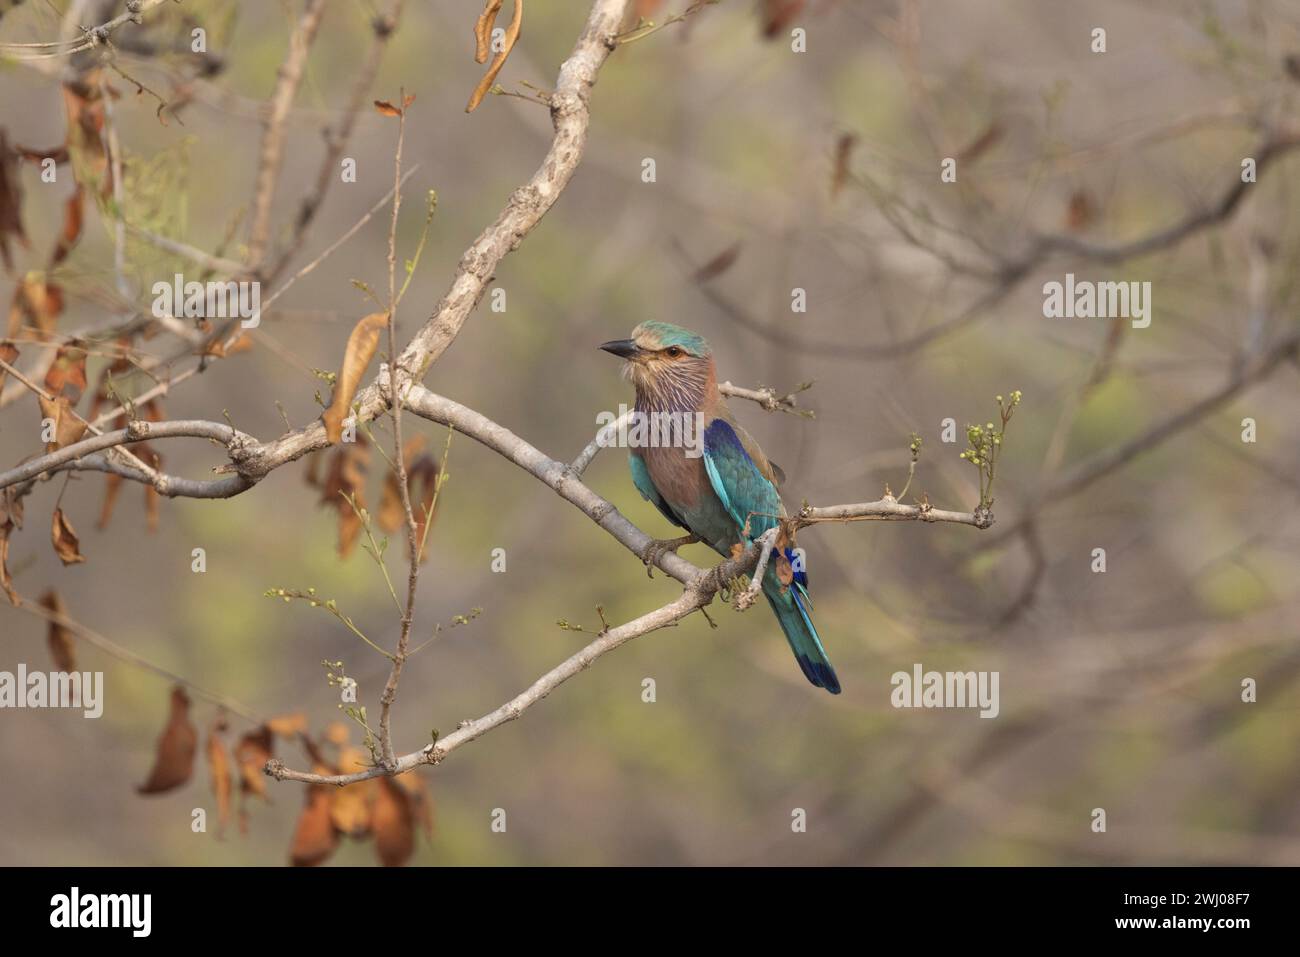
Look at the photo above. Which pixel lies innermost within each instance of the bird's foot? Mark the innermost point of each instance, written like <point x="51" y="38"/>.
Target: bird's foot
<point x="713" y="583"/>
<point x="661" y="546"/>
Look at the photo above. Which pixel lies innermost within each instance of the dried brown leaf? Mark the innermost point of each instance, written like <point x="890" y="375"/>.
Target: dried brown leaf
<point x="422" y="479"/>
<point x="483" y="30"/>
<point x="9" y="353"/>
<point x="219" y="769"/>
<point x="6" y="580"/>
<point x="508" y="44"/>
<point x="73" y="215"/>
<point x="68" y="426"/>
<point x="64" y="537"/>
<point x="393" y="821"/>
<point x="350" y="808"/>
<point x="67" y="373"/>
<point x="11" y="202"/>
<point x="62" y="649"/>
<point x="346" y="474"/>
<point x="251" y="754"/>
<point x="314" y="836"/>
<point x="360" y="350"/>
<point x="417" y="789"/>
<point x="112" y="485"/>
<point x="36" y="305"/>
<point x="11" y="517"/>
<point x="174" y="760"/>
<point x="391" y="515"/>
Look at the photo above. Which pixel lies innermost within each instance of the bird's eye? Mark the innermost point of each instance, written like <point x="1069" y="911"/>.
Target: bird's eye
<point x="673" y="352"/>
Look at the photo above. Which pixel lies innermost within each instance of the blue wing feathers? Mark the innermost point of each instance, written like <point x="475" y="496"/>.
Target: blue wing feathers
<point x="754" y="504"/>
<point x="749" y="498"/>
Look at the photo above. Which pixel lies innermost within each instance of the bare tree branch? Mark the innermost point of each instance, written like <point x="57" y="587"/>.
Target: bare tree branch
<point x="700" y="584"/>
<point x="272" y="153"/>
<point x="383" y="26"/>
<point x="1085" y="473"/>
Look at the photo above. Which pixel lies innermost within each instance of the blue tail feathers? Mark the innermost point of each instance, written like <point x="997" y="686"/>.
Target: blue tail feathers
<point x="791" y="607"/>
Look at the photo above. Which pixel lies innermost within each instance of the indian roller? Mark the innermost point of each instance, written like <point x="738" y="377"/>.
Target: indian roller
<point x="720" y="488"/>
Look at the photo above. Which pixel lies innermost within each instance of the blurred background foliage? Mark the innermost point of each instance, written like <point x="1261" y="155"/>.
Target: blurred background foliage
<point x="1118" y="690"/>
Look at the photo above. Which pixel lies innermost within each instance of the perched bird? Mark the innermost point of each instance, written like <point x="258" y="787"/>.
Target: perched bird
<point x="717" y="484"/>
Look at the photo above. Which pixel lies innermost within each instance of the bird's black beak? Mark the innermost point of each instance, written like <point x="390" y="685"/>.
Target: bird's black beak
<point x="624" y="348"/>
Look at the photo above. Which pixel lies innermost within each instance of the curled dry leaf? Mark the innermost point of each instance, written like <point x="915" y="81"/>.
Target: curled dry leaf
<point x="387" y="109"/>
<point x="11" y="202"/>
<point x="11" y="517"/>
<point x="401" y="804"/>
<point x="64" y="536"/>
<point x="417" y="790"/>
<point x="73" y="213"/>
<point x="174" y="761"/>
<point x="345" y="475"/>
<point x="421" y="470"/>
<point x="6" y="580"/>
<point x="483" y="30"/>
<point x="68" y="426"/>
<point x="67" y="373"/>
<point x="314" y="836"/>
<point x="9" y="353"/>
<point x="220" y="771"/>
<point x="350" y="808"/>
<point x="62" y="649"/>
<point x="36" y="305"/>
<point x="112" y="485"/>
<point x="393" y="823"/>
<point x="251" y="754"/>
<point x="508" y="43"/>
<point x="360" y="350"/>
<point x="422" y="478"/>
